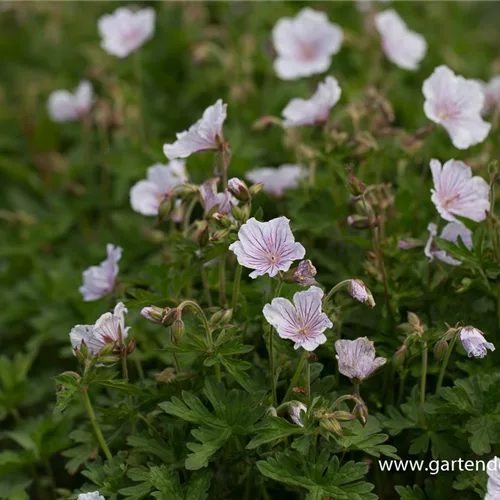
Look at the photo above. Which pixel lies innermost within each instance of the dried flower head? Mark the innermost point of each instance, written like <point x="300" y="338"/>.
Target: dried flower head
<point x="356" y="358"/>
<point x="267" y="247"/>
<point x="359" y="291"/>
<point x="206" y="134"/>
<point x="296" y="410"/>
<point x="125" y="31"/>
<point x="457" y="192"/>
<point x="474" y="343"/>
<point x="302" y="322"/>
<point x="456" y="103"/>
<point x="276" y="180"/>
<point x="146" y="195"/>
<point x="66" y="106"/>
<point x="305" y="44"/>
<point x="300" y="112"/>
<point x="451" y="232"/>
<point x="403" y="47"/>
<point x="100" y="280"/>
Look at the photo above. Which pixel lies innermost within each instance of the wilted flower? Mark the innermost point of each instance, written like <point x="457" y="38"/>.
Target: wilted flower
<point x="296" y="409"/>
<point x="304" y="273"/>
<point x="100" y="280"/>
<point x="146" y="195"/>
<point x="302" y="322"/>
<point x="94" y="495"/>
<point x="493" y="485"/>
<point x="305" y="44"/>
<point x="65" y="106"/>
<point x="204" y="135"/>
<point x="456" y="103"/>
<point x="108" y="329"/>
<point x="474" y="343"/>
<point x="267" y="247"/>
<point x="356" y="358"/>
<point x="125" y="31"/>
<point x="403" y="47"/>
<point x="358" y="290"/>
<point x="212" y="200"/>
<point x="451" y="232"/>
<point x="238" y="189"/>
<point x="276" y="180"/>
<point x="491" y="92"/>
<point x="457" y="192"/>
<point x="314" y="110"/>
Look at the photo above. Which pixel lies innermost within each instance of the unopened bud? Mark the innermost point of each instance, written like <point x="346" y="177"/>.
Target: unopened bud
<point x="131" y="346"/>
<point x="186" y="190"/>
<point x="165" y="208"/>
<point x="177" y="330"/>
<point x="440" y="349"/>
<point x="358" y="221"/>
<point x="359" y="291"/>
<point x="153" y="314"/>
<point x="169" y="316"/>
<point x="237" y="213"/>
<point x="223" y="221"/>
<point x="399" y="356"/>
<point x="361" y="413"/>
<point x="355" y="185"/>
<point x="256" y="188"/>
<point x="220" y="234"/>
<point x="343" y="416"/>
<point x="221" y="317"/>
<point x="331" y="424"/>
<point x="238" y="189"/>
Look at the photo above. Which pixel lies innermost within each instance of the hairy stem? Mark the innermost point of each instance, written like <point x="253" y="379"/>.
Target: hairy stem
<point x="95" y="426"/>
<point x="236" y="287"/>
<point x="423" y="376"/>
<point x="271" y="352"/>
<point x="335" y="289"/>
<point x="222" y="280"/>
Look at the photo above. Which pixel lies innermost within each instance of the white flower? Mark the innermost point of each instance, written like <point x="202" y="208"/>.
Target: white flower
<point x="305" y="44"/>
<point x="493" y="471"/>
<point x="94" y="495"/>
<point x="457" y="192"/>
<point x="403" y="47"/>
<point x="108" y="329"/>
<point x="296" y="410"/>
<point x="100" y="280"/>
<point x="491" y="92"/>
<point x="314" y="110"/>
<point x="474" y="343"/>
<point x="276" y="180"/>
<point x="64" y="106"/>
<point x="451" y="232"/>
<point x="204" y="135"/>
<point x="456" y="104"/>
<point x="125" y="31"/>
<point x="356" y="358"/>
<point x="146" y="195"/>
<point x="302" y="322"/>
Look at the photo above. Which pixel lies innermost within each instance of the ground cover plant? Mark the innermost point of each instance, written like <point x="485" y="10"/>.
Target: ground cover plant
<point x="249" y="250"/>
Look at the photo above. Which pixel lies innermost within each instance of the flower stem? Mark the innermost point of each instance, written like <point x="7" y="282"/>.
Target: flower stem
<point x="187" y="216"/>
<point x="355" y="383"/>
<point x="271" y="352"/>
<point x="95" y="425"/>
<point x="206" y="286"/>
<point x="124" y="364"/>
<point x="222" y="280"/>
<point x="308" y="371"/>
<point x="423" y="377"/>
<point x="442" y="371"/>
<point x="193" y="305"/>
<point x="296" y="376"/>
<point x="139" y="78"/>
<point x="335" y="289"/>
<point x="236" y="287"/>
<point x="380" y="259"/>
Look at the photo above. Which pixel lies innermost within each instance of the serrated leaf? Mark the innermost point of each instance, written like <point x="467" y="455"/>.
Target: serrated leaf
<point x="275" y="428"/>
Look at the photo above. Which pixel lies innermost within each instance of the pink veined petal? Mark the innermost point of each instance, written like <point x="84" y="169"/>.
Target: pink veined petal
<point x="281" y="314"/>
<point x="308" y="304"/>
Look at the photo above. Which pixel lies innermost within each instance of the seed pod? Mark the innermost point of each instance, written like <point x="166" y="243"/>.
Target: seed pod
<point x="177" y="330"/>
<point x="343" y="416"/>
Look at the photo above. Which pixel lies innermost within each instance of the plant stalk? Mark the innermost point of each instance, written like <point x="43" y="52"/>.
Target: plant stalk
<point x="96" y="427"/>
<point x="442" y="370"/>
<point x="296" y="376"/>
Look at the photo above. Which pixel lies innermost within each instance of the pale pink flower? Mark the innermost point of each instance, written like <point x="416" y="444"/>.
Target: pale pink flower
<point x="94" y="495"/>
<point x="302" y="322"/>
<point x="146" y="195"/>
<point x="474" y="343"/>
<point x="456" y="104"/>
<point x="100" y="280"/>
<point x="305" y="44"/>
<point x="356" y="358"/>
<point x="267" y="247"/>
<point x="66" y="106"/>
<point x="125" y="31"/>
<point x="493" y="485"/>
<point x="296" y="410"/>
<point x="451" y="232"/>
<point x="204" y="135"/>
<point x="457" y="192"/>
<point x="359" y="291"/>
<point x="276" y="180"/>
<point x="108" y="329"/>
<point x="491" y="92"/>
<point x="314" y="110"/>
<point x="212" y="200"/>
<point x="403" y="47"/>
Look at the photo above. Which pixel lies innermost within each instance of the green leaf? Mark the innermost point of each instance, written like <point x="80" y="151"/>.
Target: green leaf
<point x="199" y="485"/>
<point x="409" y="493"/>
<point x="275" y="428"/>
<point x="68" y="388"/>
<point x="211" y="442"/>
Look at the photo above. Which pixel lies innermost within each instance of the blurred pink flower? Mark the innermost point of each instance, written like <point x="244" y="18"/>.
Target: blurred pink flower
<point x="474" y="343"/>
<point x="296" y="410"/>
<point x="358" y="290"/>
<point x="125" y="31"/>
<point x="100" y="280"/>
<point x="276" y="180"/>
<point x="302" y="322"/>
<point x="210" y="198"/>
<point x="491" y="92"/>
<point x="267" y="247"/>
<point x="456" y="104"/>
<point x="204" y="135"/>
<point x="451" y="232"/>
<point x="64" y="106"/>
<point x="403" y="47"/>
<point x="314" y="110"/>
<point x="305" y="44"/>
<point x="457" y="192"/>
<point x="146" y="195"/>
<point x="108" y="329"/>
<point x="356" y="358"/>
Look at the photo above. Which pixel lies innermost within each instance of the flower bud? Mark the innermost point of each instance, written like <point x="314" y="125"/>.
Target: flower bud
<point x="440" y="349"/>
<point x="359" y="291"/>
<point x="331" y="424"/>
<point x="238" y="189"/>
<point x="153" y="314"/>
<point x="165" y="208"/>
<point x="131" y="346"/>
<point x="169" y="316"/>
<point x="221" y="317"/>
<point x="220" y="234"/>
<point x="355" y="186"/>
<point x="238" y="213"/>
<point x="399" y="356"/>
<point x="343" y="416"/>
<point x="186" y="190"/>
<point x="223" y="221"/>
<point x="256" y="188"/>
<point x="358" y="221"/>
<point x="177" y="330"/>
<point x="361" y="413"/>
